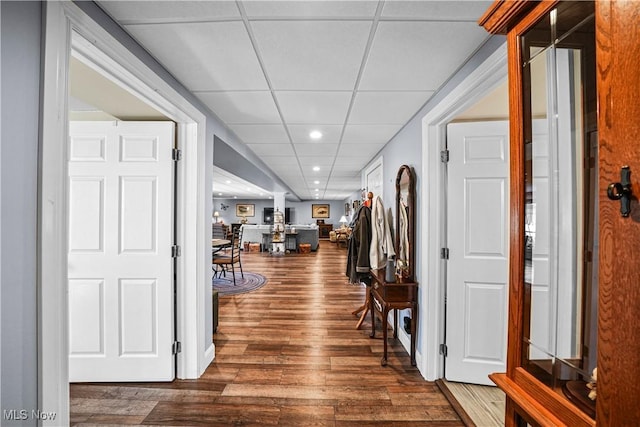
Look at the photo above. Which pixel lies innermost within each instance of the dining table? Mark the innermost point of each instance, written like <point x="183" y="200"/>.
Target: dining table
<point x="220" y="244"/>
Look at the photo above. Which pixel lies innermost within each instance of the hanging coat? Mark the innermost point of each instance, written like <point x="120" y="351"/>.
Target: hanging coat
<point x="381" y="241"/>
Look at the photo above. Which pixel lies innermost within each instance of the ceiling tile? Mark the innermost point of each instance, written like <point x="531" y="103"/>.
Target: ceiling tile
<point x="312" y="55"/>
<point x="314" y="107"/>
<point x="300" y="133"/>
<point x="255" y="134"/>
<point x="386" y="107"/>
<point x="315" y="150"/>
<point x="308" y="163"/>
<point x="127" y="12"/>
<point x="402" y="54"/>
<point x="204" y="56"/>
<point x="469" y="10"/>
<point x="363" y="134"/>
<point x="362" y="150"/>
<point x="242" y="107"/>
<point x="271" y="150"/>
<point x="350" y="164"/>
<point x="310" y="9"/>
<point x="280" y="162"/>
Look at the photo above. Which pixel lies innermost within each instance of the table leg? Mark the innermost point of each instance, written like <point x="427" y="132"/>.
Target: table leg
<point x="372" y="309"/>
<point x="385" y="313"/>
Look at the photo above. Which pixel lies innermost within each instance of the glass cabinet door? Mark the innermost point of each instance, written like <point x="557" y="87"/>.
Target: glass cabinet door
<point x="560" y="138"/>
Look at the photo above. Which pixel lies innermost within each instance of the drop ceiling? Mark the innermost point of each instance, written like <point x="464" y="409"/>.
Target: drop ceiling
<point x="273" y="71"/>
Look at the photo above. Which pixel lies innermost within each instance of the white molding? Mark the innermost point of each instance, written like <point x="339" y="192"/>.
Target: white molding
<point x="480" y="81"/>
<point x="53" y="372"/>
<point x="210" y="354"/>
<point x="112" y="58"/>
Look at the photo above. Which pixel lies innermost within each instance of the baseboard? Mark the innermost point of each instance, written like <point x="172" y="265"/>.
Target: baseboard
<point x="209" y="355"/>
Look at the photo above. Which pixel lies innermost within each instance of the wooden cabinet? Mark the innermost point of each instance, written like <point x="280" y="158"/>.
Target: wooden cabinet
<point x="324" y="230"/>
<point x="574" y="299"/>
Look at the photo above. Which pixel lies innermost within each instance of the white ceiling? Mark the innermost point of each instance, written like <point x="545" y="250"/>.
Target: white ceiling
<point x="272" y="71"/>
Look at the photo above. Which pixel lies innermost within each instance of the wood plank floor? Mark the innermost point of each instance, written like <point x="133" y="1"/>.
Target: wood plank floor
<point x="286" y="354"/>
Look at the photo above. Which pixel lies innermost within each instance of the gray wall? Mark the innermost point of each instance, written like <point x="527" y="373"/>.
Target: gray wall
<point x="301" y="211"/>
<point x="406" y="148"/>
<point x="20" y="61"/>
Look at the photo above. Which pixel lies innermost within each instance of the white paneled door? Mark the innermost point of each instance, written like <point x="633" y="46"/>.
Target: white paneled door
<point x="477" y="271"/>
<point x="120" y="262"/>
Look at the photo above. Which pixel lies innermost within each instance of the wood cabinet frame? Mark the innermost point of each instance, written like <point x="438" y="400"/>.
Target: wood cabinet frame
<point x="617" y="48"/>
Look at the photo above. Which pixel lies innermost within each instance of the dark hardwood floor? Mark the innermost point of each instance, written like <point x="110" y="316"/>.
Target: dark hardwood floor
<point x="286" y="354"/>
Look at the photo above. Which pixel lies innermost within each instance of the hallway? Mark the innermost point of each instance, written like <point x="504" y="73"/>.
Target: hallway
<point x="286" y="354"/>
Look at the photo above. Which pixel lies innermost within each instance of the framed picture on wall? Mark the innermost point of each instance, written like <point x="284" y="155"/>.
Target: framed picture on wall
<point x="320" y="211"/>
<point x="245" y="210"/>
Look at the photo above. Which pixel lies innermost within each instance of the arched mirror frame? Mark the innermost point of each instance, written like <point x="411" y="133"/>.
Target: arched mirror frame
<point x="405" y="224"/>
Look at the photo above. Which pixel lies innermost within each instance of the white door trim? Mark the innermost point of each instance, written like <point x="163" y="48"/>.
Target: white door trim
<point x="61" y="20"/>
<point x="481" y="81"/>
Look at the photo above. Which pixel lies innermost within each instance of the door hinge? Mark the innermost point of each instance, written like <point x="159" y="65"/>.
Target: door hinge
<point x="175" y="251"/>
<point x="444" y="156"/>
<point x="176" y="347"/>
<point x="444" y="253"/>
<point x="443" y="349"/>
<point x="176" y="154"/>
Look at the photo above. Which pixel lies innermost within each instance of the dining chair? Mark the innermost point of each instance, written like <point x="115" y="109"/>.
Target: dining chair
<point x="230" y="257"/>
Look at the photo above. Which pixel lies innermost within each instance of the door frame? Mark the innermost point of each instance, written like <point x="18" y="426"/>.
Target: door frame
<point x="63" y="22"/>
<point x="482" y="80"/>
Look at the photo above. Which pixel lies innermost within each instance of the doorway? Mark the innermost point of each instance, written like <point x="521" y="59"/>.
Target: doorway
<point x="68" y="28"/>
<point x="482" y="78"/>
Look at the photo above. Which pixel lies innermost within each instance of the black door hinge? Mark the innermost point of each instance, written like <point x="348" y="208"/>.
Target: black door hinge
<point x="176" y="154"/>
<point x="176" y="347"/>
<point x="444" y="253"/>
<point x="444" y="156"/>
<point x="443" y="349"/>
<point x="175" y="251"/>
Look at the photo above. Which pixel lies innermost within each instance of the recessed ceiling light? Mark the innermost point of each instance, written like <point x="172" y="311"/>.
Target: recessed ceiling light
<point x="219" y="194"/>
<point x="315" y="135"/>
<point x="228" y="182"/>
<point x="316" y="168"/>
<point x="316" y="182"/>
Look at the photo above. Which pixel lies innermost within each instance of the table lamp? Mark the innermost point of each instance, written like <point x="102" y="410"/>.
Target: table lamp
<point x="343" y="221"/>
<point x="216" y="214"/>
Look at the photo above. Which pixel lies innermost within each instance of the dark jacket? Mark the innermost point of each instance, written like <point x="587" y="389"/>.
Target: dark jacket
<point x="358" y="250"/>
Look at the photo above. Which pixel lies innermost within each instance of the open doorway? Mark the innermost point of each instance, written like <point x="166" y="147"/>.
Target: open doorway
<point x="67" y="30"/>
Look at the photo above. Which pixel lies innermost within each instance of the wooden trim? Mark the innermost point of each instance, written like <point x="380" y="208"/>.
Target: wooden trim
<point x="464" y="417"/>
<point x="502" y="15"/>
<point x="525" y="402"/>
<point x="618" y="82"/>
<point x="516" y="214"/>
<point x="563" y="409"/>
<point x="534" y="402"/>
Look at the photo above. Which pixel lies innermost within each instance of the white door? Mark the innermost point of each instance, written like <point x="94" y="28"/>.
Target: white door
<point x="374" y="182"/>
<point x="477" y="270"/>
<point x="120" y="263"/>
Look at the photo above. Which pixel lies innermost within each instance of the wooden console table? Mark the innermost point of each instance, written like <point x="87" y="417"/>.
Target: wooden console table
<point x="393" y="296"/>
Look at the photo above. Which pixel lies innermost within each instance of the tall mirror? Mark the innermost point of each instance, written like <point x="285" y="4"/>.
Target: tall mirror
<point x="405" y="223"/>
<point x="560" y="133"/>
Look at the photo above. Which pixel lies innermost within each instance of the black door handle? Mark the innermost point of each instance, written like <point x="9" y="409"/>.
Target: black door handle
<point x="622" y="191"/>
